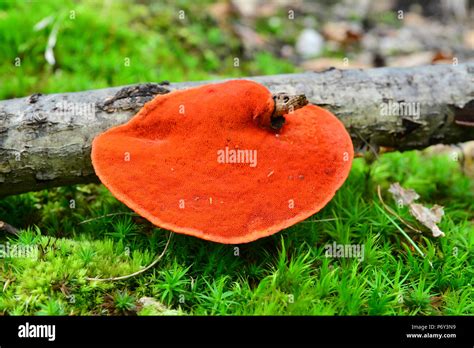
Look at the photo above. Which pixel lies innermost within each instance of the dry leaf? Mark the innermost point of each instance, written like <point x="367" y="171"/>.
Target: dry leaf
<point x="443" y="57"/>
<point x="428" y="217"/>
<point x="401" y="195"/>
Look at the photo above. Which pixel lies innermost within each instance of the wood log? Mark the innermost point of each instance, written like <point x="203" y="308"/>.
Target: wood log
<point x="45" y="140"/>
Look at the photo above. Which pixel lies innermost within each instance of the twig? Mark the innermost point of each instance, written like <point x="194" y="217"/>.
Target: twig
<point x="387" y="208"/>
<point x="137" y="272"/>
<point x="107" y="215"/>
<point x="9" y="228"/>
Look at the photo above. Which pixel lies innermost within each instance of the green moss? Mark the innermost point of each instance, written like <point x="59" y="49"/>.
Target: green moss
<point x="287" y="273"/>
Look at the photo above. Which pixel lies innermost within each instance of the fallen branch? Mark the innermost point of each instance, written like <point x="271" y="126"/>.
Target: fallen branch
<point x="45" y="140"/>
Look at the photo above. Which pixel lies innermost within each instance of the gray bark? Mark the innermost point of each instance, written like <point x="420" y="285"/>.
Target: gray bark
<point x="45" y="140"/>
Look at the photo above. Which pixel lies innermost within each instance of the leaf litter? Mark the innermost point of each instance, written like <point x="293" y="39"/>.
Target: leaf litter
<point x="429" y="217"/>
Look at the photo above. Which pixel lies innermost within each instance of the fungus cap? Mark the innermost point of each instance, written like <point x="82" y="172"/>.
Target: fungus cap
<point x="197" y="162"/>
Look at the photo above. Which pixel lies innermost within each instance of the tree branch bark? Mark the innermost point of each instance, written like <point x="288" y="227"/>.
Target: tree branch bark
<point x="45" y="140"/>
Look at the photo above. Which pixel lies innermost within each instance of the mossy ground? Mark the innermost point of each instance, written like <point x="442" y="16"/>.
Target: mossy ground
<point x="287" y="273"/>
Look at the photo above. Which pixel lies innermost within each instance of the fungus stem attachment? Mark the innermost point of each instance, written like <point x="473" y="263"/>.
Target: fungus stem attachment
<point x="284" y="104"/>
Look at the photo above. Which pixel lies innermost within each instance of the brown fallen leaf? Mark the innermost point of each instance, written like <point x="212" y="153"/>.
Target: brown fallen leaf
<point x="442" y="57"/>
<point x="403" y="196"/>
<point x="428" y="217"/>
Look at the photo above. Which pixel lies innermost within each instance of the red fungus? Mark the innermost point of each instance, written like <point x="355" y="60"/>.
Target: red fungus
<point x="199" y="162"/>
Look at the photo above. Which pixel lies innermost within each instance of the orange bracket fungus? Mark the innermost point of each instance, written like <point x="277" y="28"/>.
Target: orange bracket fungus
<point x="226" y="162"/>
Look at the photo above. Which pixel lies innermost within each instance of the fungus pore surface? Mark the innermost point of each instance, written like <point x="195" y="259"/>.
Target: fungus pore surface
<point x="197" y="162"/>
